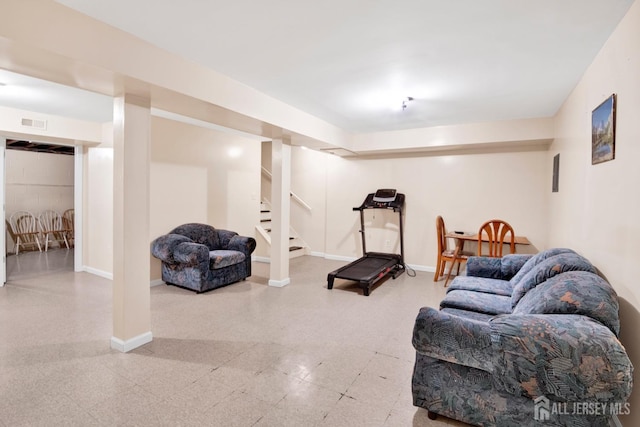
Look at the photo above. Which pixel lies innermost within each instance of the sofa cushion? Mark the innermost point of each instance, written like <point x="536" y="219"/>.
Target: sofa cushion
<point x="481" y="284"/>
<point x="200" y="233"/>
<point x="537" y="259"/>
<point x="222" y="258"/>
<point x="567" y="261"/>
<point x="473" y="315"/>
<point x="574" y="292"/>
<point x="480" y="302"/>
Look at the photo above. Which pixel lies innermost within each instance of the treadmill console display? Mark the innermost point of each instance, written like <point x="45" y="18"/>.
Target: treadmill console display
<point x="383" y="199"/>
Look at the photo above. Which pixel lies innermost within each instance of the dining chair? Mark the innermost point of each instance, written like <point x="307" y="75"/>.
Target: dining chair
<point x="496" y="231"/>
<point x="25" y="230"/>
<point x="68" y="223"/>
<point x="51" y="227"/>
<point x="445" y="254"/>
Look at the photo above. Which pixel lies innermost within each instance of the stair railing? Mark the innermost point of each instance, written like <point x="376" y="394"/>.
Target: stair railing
<point x="293" y="195"/>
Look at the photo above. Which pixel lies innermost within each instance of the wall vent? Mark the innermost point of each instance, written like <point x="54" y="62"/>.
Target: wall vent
<point x="35" y="123"/>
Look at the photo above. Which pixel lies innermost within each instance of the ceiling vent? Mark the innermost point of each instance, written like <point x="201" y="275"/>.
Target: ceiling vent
<point x="34" y="123"/>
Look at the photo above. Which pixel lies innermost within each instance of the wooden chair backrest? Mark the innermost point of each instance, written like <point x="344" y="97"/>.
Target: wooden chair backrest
<point x="50" y="221"/>
<point x="496" y="230"/>
<point x="442" y="241"/>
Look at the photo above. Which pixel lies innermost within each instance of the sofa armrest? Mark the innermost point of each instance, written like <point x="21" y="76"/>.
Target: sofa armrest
<point x="496" y="268"/>
<point x="191" y="254"/>
<point x="453" y="338"/>
<point x="244" y="244"/>
<point x="571" y="357"/>
<point x="164" y="246"/>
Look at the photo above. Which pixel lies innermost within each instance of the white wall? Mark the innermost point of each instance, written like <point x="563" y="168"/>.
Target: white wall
<point x="36" y="182"/>
<point x="466" y="189"/>
<point x="202" y="175"/>
<point x="98" y="218"/>
<point x="597" y="209"/>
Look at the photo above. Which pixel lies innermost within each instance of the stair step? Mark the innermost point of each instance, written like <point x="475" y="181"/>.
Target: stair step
<point x="265" y="220"/>
<point x="265" y="211"/>
<point x="294" y="248"/>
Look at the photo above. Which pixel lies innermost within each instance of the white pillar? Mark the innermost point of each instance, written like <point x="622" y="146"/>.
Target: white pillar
<point x="280" y="204"/>
<point x="3" y="237"/>
<point x="78" y="206"/>
<point x="131" y="261"/>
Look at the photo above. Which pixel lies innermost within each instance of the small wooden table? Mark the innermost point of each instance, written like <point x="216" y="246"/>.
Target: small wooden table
<point x="460" y="238"/>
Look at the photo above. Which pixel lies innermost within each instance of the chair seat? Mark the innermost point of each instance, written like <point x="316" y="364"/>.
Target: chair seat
<point x="450" y="252"/>
<point x="224" y="258"/>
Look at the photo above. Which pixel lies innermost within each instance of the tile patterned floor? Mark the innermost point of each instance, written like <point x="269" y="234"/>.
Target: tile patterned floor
<point x="243" y="355"/>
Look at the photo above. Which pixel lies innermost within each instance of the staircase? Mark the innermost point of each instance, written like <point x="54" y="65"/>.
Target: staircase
<point x="297" y="246"/>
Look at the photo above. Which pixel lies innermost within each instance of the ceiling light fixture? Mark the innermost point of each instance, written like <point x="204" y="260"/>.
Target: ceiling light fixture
<point x="404" y="102"/>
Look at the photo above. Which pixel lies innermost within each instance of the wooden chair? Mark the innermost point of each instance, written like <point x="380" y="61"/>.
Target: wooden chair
<point x="496" y="231"/>
<point x="68" y="224"/>
<point x="51" y="228"/>
<point x="25" y="230"/>
<point x="447" y="255"/>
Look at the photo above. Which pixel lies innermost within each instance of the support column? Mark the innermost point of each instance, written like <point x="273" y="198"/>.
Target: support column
<point x="280" y="212"/>
<point x="131" y="262"/>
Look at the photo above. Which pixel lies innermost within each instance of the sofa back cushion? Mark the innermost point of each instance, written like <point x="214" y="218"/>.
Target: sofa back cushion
<point x="200" y="233"/>
<point x="556" y="264"/>
<point x="574" y="292"/>
<point x="535" y="260"/>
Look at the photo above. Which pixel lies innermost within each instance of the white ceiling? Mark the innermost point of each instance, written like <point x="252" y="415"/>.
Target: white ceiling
<point x="351" y="62"/>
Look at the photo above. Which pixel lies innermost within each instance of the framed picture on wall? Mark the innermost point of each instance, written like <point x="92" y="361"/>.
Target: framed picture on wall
<point x="603" y="131"/>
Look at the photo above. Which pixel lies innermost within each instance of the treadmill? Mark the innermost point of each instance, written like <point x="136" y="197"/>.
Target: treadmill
<point x="374" y="266"/>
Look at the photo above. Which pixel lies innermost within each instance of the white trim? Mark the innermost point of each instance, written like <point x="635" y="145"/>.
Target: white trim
<point x="426" y="268"/>
<point x="157" y="282"/>
<point x="78" y="174"/>
<point x="130" y="344"/>
<point x="279" y="283"/>
<point x="3" y="237"/>
<point x="340" y="258"/>
<point x="97" y="272"/>
<point x="615" y="421"/>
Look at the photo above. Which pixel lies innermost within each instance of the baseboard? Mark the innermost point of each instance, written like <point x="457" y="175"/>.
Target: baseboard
<point x="422" y="268"/>
<point x="132" y="343"/>
<point x="340" y="258"/>
<point x="157" y="282"/>
<point x="279" y="283"/>
<point x="416" y="267"/>
<point x="97" y="272"/>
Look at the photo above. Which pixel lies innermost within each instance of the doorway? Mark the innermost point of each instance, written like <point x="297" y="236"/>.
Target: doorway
<point x="39" y="183"/>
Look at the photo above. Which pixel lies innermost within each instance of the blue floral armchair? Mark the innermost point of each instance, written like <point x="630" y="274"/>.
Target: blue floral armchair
<point x="201" y="258"/>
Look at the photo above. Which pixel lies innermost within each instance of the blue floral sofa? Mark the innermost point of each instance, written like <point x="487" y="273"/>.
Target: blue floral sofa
<point x="201" y="258"/>
<point x="523" y="340"/>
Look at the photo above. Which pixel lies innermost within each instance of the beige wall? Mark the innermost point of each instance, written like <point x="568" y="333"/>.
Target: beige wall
<point x="202" y="175"/>
<point x="98" y="218"/>
<point x="597" y="209"/>
<point x="36" y="182"/>
<point x="466" y="189"/>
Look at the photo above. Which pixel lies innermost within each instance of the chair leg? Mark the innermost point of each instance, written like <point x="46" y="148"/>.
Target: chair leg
<point x="436" y="275"/>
